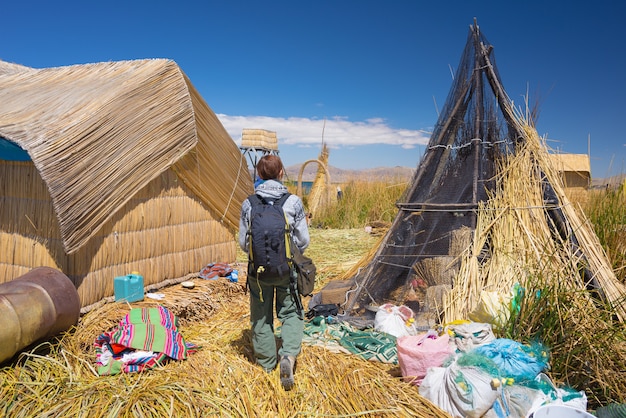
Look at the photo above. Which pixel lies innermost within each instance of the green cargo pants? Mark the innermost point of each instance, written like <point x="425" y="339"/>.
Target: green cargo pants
<point x="263" y="295"/>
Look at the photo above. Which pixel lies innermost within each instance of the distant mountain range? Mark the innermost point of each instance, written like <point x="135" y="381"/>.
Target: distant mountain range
<point x="613" y="181"/>
<point x="338" y="175"/>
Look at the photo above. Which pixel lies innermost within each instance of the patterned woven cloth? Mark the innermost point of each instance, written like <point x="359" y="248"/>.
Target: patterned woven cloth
<point x="143" y="339"/>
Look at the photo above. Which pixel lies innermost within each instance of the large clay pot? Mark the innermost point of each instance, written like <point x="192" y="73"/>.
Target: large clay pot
<point x="34" y="307"/>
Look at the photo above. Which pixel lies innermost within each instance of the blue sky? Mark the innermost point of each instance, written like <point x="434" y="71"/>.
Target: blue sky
<point x="365" y="76"/>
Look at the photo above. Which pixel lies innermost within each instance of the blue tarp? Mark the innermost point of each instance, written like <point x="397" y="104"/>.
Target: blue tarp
<point x="11" y="151"/>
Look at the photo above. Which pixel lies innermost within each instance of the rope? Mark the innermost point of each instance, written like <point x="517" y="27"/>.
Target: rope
<point x="230" y="199"/>
<point x="470" y="143"/>
<point x="417" y="209"/>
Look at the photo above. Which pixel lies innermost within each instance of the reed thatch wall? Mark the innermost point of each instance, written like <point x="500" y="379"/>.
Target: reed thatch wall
<point x="164" y="232"/>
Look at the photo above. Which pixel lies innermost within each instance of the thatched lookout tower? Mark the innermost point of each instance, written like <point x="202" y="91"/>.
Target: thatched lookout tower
<point x="255" y="143"/>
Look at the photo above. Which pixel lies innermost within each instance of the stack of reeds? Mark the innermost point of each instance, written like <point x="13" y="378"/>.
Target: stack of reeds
<point x="259" y="138"/>
<point x="580" y="320"/>
<point x="523" y="243"/>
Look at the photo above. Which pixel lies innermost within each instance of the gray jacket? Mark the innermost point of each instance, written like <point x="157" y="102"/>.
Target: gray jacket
<point x="293" y="207"/>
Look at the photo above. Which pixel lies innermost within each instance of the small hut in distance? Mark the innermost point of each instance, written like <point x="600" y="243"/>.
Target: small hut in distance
<point x="574" y="169"/>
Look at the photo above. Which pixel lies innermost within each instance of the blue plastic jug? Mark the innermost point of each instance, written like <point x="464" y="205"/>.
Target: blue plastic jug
<point x="128" y="288"/>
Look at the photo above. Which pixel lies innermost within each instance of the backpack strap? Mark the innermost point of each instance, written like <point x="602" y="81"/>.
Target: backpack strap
<point x="293" y="274"/>
<point x="281" y="200"/>
<point x="254" y="201"/>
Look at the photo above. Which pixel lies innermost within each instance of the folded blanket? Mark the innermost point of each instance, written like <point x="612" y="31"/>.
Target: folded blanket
<point x="144" y="339"/>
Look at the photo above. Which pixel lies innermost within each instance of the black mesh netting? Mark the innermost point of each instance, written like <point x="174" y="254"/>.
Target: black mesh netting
<point x="473" y="131"/>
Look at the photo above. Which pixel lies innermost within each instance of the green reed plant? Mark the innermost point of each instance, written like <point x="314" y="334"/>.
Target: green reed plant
<point x="363" y="202"/>
<point x="606" y="210"/>
<point x="586" y="343"/>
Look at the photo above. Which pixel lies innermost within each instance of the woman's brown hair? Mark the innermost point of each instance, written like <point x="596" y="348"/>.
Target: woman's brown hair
<point x="269" y="167"/>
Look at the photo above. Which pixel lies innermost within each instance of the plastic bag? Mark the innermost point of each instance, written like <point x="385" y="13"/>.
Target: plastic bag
<point x="395" y="320"/>
<point x="417" y="353"/>
<point x="468" y="335"/>
<point x="493" y="308"/>
<point x="460" y="391"/>
<point x="515" y="360"/>
<point x="550" y="394"/>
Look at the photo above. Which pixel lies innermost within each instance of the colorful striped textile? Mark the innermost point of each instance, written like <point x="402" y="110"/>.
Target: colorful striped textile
<point x="144" y="339"/>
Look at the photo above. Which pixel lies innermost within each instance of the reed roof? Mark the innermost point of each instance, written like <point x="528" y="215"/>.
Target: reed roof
<point x="98" y="133"/>
<point x="571" y="162"/>
<point x="251" y="138"/>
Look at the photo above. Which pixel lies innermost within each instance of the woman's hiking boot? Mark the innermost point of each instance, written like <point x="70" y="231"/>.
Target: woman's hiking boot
<point x="286" y="371"/>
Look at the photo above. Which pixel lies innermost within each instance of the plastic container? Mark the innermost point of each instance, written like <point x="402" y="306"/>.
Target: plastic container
<point x="128" y="288"/>
<point x="560" y="411"/>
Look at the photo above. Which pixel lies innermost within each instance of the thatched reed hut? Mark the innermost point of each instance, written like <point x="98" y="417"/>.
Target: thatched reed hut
<point x="114" y="167"/>
<point x="574" y="169"/>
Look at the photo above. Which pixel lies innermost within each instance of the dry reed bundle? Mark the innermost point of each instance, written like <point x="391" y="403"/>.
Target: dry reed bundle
<point x="220" y="379"/>
<point x="364" y="260"/>
<point x="586" y="343"/>
<point x="259" y="138"/>
<point x="318" y="196"/>
<point x="595" y="257"/>
<point x="512" y="225"/>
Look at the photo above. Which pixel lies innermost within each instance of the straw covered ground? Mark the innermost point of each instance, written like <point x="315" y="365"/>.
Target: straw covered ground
<point x="60" y="378"/>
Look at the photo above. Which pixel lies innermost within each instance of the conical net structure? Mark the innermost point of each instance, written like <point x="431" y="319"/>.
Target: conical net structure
<point x="427" y="246"/>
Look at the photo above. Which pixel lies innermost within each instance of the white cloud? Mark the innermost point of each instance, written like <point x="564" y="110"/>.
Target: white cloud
<point x="337" y="132"/>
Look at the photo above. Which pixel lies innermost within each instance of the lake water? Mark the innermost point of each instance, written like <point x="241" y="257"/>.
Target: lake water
<point x="306" y="185"/>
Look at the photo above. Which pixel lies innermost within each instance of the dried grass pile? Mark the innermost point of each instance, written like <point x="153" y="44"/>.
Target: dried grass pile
<point x="220" y="379"/>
